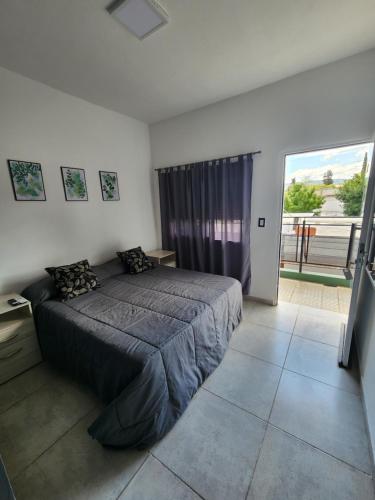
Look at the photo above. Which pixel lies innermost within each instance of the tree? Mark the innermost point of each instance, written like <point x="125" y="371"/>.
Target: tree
<point x="351" y="192"/>
<point x="351" y="195"/>
<point x="302" y="198"/>
<point x="364" y="165"/>
<point x="328" y="177"/>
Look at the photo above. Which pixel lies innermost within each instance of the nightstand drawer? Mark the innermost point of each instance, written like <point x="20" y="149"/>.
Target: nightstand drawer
<point x="15" y="330"/>
<point x="18" y="356"/>
<point x="19" y="347"/>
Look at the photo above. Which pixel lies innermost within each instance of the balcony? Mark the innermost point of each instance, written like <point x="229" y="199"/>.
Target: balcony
<point x="319" y="249"/>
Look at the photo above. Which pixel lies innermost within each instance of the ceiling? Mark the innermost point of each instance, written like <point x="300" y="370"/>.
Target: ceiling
<point x="210" y="50"/>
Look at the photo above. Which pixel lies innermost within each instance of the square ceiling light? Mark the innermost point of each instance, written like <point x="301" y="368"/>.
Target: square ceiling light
<point x="141" y="17"/>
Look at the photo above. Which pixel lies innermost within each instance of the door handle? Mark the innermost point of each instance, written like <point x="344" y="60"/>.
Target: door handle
<point x="362" y="258"/>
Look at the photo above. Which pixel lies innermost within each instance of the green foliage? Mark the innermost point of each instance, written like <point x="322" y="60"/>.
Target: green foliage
<point x="364" y="165"/>
<point x="28" y="179"/>
<point x="352" y="191"/>
<point x="302" y="198"/>
<point x="328" y="177"/>
<point x="74" y="182"/>
<point x="351" y="194"/>
<point x="109" y="186"/>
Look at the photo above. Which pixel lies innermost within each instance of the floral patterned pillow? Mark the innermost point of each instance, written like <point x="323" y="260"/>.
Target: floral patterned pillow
<point x="73" y="279"/>
<point x="135" y="260"/>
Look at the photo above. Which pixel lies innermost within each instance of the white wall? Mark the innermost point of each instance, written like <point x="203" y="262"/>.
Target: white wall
<point x="331" y="105"/>
<point x="43" y="125"/>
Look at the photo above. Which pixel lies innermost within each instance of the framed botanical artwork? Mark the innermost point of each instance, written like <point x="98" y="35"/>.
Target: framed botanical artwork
<point x="27" y="180"/>
<point x="109" y="186"/>
<point x="74" y="182"/>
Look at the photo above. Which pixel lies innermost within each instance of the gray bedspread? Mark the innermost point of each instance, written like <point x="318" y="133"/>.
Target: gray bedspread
<point x="144" y="343"/>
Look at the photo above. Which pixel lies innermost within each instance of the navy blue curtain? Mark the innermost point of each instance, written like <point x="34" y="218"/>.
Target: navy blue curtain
<point x="205" y="215"/>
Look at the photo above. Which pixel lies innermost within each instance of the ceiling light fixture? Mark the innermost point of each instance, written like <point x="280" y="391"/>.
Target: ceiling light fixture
<point x="140" y="17"/>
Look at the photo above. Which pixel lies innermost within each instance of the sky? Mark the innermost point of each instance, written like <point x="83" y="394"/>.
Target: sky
<point x="343" y="161"/>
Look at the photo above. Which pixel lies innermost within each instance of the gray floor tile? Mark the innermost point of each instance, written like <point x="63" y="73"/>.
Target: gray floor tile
<point x="213" y="447"/>
<point x="156" y="482"/>
<point x="324" y="328"/>
<point x="30" y="426"/>
<point x="32" y="484"/>
<point x="281" y="317"/>
<point x="290" y="469"/>
<point x="246" y="381"/>
<point x="322" y="313"/>
<point x="319" y="361"/>
<point x="261" y="341"/>
<point x="326" y="417"/>
<point x="77" y="467"/>
<point x="25" y="384"/>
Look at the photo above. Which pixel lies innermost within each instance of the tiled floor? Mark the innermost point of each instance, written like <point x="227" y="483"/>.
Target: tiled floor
<point x="330" y="298"/>
<point x="277" y="420"/>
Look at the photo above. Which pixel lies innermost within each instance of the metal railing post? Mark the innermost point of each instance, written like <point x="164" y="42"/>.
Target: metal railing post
<point x="297" y="240"/>
<point x="350" y="245"/>
<point x="302" y="246"/>
<point x="308" y="243"/>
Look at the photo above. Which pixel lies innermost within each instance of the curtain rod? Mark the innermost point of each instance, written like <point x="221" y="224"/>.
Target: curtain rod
<point x="215" y="159"/>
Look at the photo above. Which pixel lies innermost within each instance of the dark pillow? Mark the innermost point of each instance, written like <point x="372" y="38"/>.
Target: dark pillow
<point x="135" y="260"/>
<point x="40" y="291"/>
<point x="73" y="279"/>
<point x="108" y="269"/>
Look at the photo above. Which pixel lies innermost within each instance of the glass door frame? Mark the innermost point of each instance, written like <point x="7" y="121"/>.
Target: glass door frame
<point x="360" y="267"/>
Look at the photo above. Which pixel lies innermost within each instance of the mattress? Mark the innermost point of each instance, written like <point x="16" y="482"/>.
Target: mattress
<point x="144" y="343"/>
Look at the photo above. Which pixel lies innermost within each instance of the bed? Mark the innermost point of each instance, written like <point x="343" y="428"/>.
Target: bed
<point x="144" y="343"/>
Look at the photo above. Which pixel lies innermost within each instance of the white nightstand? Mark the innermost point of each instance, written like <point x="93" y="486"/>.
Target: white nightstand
<point x="163" y="257"/>
<point x="19" y="348"/>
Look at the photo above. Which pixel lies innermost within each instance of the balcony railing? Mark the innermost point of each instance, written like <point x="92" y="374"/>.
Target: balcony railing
<point x="329" y="243"/>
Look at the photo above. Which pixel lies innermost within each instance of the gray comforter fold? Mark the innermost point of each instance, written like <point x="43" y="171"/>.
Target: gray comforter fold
<point x="144" y="343"/>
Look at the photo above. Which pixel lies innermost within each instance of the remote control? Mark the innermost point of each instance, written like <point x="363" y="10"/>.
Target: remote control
<point x="17" y="302"/>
